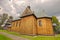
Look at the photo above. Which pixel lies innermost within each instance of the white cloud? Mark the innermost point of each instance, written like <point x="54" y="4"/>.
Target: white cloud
<point x="1" y="10"/>
<point x="20" y="2"/>
<point x="58" y="18"/>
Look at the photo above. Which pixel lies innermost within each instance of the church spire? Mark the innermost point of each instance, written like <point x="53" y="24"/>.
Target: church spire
<point x="27" y="11"/>
<point x="43" y="13"/>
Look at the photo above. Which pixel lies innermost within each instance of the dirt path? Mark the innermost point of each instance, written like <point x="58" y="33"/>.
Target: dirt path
<point x="13" y="36"/>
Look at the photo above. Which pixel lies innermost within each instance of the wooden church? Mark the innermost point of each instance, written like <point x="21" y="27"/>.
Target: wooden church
<point x="29" y="24"/>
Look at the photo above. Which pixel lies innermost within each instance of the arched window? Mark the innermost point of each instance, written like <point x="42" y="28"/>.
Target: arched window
<point x="40" y="23"/>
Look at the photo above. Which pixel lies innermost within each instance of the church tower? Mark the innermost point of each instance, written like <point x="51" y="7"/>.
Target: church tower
<point x="28" y="22"/>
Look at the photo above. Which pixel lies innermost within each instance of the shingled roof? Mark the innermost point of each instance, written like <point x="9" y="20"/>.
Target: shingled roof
<point x="27" y="11"/>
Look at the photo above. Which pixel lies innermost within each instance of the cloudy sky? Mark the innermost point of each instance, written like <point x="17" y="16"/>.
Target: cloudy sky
<point x="16" y="7"/>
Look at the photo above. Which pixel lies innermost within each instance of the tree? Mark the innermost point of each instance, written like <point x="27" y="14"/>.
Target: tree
<point x="10" y="19"/>
<point x="4" y="16"/>
<point x="55" y="20"/>
<point x="58" y="28"/>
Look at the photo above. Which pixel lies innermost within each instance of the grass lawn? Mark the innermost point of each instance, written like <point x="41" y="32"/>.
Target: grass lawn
<point x="56" y="37"/>
<point x="2" y="37"/>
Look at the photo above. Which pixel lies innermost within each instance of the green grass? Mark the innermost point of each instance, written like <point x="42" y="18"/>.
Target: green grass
<point x="45" y="38"/>
<point x="2" y="37"/>
<point x="56" y="37"/>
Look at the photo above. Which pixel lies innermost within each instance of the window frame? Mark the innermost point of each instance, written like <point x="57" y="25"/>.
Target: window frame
<point x="40" y="23"/>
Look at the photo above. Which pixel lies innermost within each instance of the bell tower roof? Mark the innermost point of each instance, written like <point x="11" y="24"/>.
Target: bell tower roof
<point x="27" y="11"/>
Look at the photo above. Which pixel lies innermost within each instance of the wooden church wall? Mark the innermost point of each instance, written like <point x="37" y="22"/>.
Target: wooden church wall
<point x="27" y="25"/>
<point x="15" y="26"/>
<point x="49" y="26"/>
<point x="11" y="28"/>
<point x="18" y="26"/>
<point x="44" y="27"/>
<point x="40" y="27"/>
<point x="31" y="26"/>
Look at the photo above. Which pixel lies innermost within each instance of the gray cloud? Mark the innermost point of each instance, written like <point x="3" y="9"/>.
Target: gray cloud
<point x="16" y="7"/>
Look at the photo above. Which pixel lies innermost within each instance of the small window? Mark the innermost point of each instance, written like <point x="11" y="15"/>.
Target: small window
<point x="40" y="23"/>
